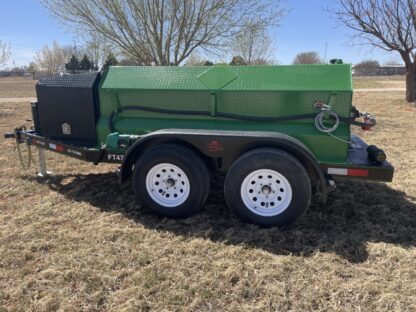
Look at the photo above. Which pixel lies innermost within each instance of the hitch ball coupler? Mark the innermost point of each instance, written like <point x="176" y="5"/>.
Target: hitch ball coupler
<point x="9" y="135"/>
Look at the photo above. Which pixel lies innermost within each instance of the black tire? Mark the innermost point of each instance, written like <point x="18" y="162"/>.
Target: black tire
<point x="186" y="160"/>
<point x="244" y="170"/>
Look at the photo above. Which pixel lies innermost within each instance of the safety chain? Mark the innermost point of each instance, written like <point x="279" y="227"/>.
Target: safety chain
<point x="30" y="160"/>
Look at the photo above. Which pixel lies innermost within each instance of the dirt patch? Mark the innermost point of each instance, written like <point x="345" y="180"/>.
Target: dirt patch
<point x="78" y="241"/>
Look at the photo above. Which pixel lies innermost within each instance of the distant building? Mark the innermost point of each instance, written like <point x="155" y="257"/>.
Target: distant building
<point x="389" y="70"/>
<point x="385" y="70"/>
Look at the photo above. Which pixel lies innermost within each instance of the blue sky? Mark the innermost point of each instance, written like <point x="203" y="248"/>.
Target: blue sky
<point x="27" y="26"/>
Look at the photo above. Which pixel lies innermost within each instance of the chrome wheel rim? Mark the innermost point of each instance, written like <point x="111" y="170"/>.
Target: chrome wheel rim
<point x="167" y="185"/>
<point x="266" y="192"/>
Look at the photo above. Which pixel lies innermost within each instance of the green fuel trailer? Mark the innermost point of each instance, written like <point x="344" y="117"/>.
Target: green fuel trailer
<point x="279" y="133"/>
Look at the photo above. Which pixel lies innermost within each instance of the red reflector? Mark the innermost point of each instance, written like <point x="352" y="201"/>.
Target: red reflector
<point x="357" y="172"/>
<point x="214" y="146"/>
<point x="59" y="148"/>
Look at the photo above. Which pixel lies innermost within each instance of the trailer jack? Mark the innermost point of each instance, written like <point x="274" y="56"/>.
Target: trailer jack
<point x="43" y="173"/>
<point x="19" y="135"/>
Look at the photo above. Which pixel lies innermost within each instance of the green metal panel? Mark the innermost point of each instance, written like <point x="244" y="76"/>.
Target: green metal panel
<point x="245" y="90"/>
<point x="216" y="78"/>
<point x="253" y="78"/>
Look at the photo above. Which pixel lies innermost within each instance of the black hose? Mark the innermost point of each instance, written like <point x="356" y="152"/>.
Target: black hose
<point x="223" y="115"/>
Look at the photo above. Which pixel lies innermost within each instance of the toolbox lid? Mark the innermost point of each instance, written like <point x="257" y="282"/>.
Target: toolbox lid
<point x="322" y="77"/>
<point x="84" y="80"/>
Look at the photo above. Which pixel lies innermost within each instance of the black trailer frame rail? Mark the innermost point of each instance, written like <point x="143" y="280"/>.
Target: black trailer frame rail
<point x="358" y="165"/>
<point x="88" y="154"/>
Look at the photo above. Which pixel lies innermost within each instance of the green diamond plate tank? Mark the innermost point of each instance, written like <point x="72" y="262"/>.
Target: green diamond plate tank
<point x="204" y="93"/>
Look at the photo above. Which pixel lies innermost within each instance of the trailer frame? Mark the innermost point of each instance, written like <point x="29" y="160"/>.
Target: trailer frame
<point x="221" y="148"/>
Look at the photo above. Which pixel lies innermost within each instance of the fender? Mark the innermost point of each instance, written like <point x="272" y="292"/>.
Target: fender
<point x="224" y="147"/>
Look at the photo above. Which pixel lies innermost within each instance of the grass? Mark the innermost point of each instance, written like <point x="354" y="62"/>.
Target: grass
<point x="13" y="87"/>
<point x="368" y="82"/>
<point x="79" y="242"/>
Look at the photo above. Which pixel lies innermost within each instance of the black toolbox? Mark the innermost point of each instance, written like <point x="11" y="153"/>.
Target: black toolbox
<point x="67" y="108"/>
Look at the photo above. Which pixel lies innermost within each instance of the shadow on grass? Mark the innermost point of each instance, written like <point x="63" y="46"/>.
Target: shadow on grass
<point x="356" y="213"/>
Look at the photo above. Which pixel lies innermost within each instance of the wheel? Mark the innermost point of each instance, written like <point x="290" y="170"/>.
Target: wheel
<point x="171" y="181"/>
<point x="268" y="187"/>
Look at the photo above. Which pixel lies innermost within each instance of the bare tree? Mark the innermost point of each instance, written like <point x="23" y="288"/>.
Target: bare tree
<point x="386" y="24"/>
<point x="163" y="32"/>
<point x="195" y="60"/>
<point x="307" y="58"/>
<point x="4" y="52"/>
<point x="253" y="43"/>
<point x="32" y="69"/>
<point x="94" y="47"/>
<point x="367" y="68"/>
<point x="52" y="59"/>
<point x="238" y="61"/>
<point x="97" y="48"/>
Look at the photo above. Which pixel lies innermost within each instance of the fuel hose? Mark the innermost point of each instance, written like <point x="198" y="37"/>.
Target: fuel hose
<point x="319" y="118"/>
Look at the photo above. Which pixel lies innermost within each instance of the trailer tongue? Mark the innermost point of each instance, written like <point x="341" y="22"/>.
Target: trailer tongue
<point x="280" y="133"/>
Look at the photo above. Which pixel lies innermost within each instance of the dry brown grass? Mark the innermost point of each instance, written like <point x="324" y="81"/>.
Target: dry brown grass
<point x="79" y="242"/>
<point x="364" y="82"/>
<point x="12" y="87"/>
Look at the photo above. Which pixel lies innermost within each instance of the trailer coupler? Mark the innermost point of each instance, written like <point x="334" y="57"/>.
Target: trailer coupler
<point x="9" y="135"/>
<point x="17" y="134"/>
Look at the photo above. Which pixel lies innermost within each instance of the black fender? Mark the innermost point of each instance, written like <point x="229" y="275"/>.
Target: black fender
<point x="223" y="147"/>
